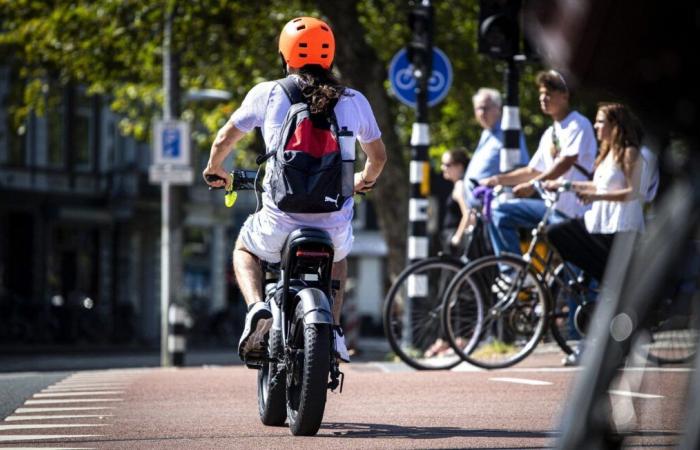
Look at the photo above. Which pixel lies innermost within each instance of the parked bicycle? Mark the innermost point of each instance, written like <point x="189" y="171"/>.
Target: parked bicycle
<point x="412" y="312"/>
<point x="293" y="378"/>
<point x="518" y="298"/>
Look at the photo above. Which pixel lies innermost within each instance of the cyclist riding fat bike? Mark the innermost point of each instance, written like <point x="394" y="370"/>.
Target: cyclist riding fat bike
<point x="307" y="50"/>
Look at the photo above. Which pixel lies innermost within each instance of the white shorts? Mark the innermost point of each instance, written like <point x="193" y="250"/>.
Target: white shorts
<point x="264" y="236"/>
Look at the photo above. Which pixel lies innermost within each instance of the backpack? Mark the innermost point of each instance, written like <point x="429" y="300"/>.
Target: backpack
<point x="307" y="172"/>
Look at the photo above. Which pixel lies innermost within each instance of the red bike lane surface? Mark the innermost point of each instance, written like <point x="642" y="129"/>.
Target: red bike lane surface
<point x="382" y="406"/>
<point x="209" y="408"/>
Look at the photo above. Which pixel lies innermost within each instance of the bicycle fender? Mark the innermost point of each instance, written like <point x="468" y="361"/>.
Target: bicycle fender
<point x="313" y="307"/>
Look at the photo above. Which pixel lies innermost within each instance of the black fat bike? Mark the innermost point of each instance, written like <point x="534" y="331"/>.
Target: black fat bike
<point x="301" y="364"/>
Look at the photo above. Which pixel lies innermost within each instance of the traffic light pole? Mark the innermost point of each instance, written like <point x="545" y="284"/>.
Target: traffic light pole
<point x="420" y="52"/>
<point x="510" y="120"/>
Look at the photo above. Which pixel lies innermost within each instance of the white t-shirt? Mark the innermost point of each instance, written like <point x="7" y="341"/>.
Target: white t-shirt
<point x="576" y="138"/>
<point x="265" y="106"/>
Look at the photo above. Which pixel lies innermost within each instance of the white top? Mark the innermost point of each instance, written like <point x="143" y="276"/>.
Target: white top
<point x="265" y="107"/>
<point x="609" y="217"/>
<point x="576" y="138"/>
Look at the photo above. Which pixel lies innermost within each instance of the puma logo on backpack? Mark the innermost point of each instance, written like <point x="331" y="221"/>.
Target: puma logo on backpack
<point x="307" y="171"/>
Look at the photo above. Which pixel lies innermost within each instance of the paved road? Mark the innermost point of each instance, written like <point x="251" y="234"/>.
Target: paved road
<point x="384" y="405"/>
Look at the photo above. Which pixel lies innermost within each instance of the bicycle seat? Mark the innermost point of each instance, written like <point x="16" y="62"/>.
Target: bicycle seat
<point x="306" y="237"/>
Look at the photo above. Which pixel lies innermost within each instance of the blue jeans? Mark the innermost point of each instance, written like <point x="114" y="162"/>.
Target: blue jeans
<point x="508" y="216"/>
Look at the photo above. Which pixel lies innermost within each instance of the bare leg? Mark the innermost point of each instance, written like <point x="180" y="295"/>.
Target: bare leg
<point x="339" y="272"/>
<point x="248" y="272"/>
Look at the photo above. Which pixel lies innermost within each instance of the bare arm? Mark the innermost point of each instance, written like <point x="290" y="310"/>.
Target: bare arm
<point x="559" y="168"/>
<point x="224" y="142"/>
<point x="376" y="158"/>
<point x="513" y="178"/>
<point x="631" y="167"/>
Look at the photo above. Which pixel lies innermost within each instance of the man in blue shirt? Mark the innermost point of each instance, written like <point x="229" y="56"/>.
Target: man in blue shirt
<point x="485" y="160"/>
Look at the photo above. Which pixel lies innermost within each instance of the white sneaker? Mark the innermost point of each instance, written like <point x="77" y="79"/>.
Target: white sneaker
<point x="341" y="350"/>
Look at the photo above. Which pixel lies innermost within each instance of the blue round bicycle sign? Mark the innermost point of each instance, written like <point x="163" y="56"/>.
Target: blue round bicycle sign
<point x="403" y="83"/>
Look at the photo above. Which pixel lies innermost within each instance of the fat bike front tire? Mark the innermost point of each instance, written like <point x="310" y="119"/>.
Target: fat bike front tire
<point x="307" y="382"/>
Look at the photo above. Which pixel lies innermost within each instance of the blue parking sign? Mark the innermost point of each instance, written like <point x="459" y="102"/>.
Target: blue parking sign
<point x="171" y="143"/>
<point x="403" y="83"/>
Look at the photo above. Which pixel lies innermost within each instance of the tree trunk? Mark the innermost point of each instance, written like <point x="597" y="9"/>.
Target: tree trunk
<point x="361" y="68"/>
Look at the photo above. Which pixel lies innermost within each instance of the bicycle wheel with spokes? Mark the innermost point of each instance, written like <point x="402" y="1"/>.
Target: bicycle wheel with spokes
<point x="514" y="317"/>
<point x="413" y="310"/>
<point x="564" y="303"/>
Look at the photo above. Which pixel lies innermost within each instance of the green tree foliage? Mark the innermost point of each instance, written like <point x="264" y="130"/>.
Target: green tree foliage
<point x="114" y="48"/>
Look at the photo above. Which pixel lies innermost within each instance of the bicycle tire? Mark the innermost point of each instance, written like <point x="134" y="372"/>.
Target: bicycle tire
<point x="271" y="386"/>
<point x="307" y="384"/>
<point x="423" y="313"/>
<point x="673" y="339"/>
<point x="561" y="326"/>
<point x="500" y="338"/>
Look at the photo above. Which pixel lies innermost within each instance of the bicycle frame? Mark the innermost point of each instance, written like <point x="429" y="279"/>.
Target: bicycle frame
<point x="548" y="267"/>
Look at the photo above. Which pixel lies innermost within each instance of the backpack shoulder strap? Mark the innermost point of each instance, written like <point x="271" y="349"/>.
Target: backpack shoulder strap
<point x="291" y="89"/>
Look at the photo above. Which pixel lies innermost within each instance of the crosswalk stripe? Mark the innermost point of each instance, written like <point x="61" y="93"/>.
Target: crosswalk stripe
<point x="59" y="409"/>
<point x="45" y="426"/>
<point x="54" y="416"/>
<point x="71" y="400"/>
<point x="34" y="437"/>
<point x="75" y="394"/>
<point x="84" y="387"/>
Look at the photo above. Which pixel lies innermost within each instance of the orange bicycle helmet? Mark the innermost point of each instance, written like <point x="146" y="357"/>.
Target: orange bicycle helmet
<point x="306" y="40"/>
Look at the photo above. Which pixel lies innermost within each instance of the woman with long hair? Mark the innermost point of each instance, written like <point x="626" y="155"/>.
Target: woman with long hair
<point x="616" y="204"/>
<point x="614" y="196"/>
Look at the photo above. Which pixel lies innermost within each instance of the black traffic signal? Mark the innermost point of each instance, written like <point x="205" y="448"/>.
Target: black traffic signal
<point x="419" y="48"/>
<point x="499" y="28"/>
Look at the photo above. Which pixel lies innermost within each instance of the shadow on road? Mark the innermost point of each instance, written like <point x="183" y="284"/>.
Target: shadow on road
<point x="365" y="430"/>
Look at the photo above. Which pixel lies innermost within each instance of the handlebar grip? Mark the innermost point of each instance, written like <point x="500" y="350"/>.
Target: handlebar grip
<point x="212" y="178"/>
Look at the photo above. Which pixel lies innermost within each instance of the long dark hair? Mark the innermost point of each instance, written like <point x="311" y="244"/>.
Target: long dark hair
<point x="320" y="87"/>
<point x="624" y="133"/>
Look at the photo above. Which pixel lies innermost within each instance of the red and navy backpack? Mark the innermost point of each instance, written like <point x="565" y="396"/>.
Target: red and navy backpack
<point x="307" y="171"/>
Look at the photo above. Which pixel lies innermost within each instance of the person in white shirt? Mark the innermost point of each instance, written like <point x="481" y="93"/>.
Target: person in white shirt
<point x="566" y="151"/>
<point x="307" y="49"/>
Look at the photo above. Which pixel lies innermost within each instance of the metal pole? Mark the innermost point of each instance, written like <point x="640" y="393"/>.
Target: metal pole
<point x="164" y="271"/>
<point x="165" y="199"/>
<point x="510" y="121"/>
<point x="419" y="169"/>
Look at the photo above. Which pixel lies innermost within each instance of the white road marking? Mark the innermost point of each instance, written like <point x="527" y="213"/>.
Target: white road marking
<point x="521" y="381"/>
<point x="54" y="416"/>
<point x="84" y="387"/>
<point x="49" y="448"/>
<point x="34" y="437"/>
<point x="71" y="400"/>
<point x="634" y="394"/>
<point x="73" y="408"/>
<point x="75" y="394"/>
<point x="45" y="426"/>
<point x="465" y="367"/>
